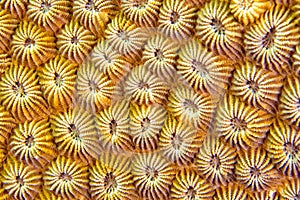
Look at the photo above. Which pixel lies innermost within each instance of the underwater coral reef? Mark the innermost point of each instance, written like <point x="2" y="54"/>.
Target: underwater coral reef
<point x="149" y="99"/>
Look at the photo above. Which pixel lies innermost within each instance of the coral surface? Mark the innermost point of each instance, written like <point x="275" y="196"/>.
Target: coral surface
<point x="149" y="99"/>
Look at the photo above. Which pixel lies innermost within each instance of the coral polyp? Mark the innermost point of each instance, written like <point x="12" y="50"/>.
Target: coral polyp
<point x="189" y="185"/>
<point x="146" y="123"/>
<point x="289" y="101"/>
<point x="143" y="87"/>
<point x="255" y="170"/>
<point x="230" y="192"/>
<point x="203" y="70"/>
<point x="32" y="143"/>
<point x="16" y="7"/>
<point x="57" y="80"/>
<point x="290" y="189"/>
<point x="47" y="195"/>
<point x="215" y="161"/>
<point x="49" y="14"/>
<point x="283" y="146"/>
<point x="67" y="178"/>
<point x="265" y="195"/>
<point x="94" y="89"/>
<point x="19" y="180"/>
<point x="90" y="14"/>
<point x="219" y="31"/>
<point x="272" y="39"/>
<point x="113" y="127"/>
<point x="248" y="11"/>
<point x="256" y="86"/>
<point x="152" y="175"/>
<point x="7" y="25"/>
<point x="74" y="42"/>
<point x="177" y="19"/>
<point x="110" y="178"/>
<point x="142" y="12"/>
<point x="75" y="134"/>
<point x="31" y="45"/>
<point x="125" y="36"/>
<point x="191" y="107"/>
<point x="109" y="61"/>
<point x="160" y="56"/>
<point x="241" y="125"/>
<point x="21" y="94"/>
<point x="179" y="142"/>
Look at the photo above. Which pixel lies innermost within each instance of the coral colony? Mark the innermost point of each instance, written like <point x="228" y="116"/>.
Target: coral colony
<point x="149" y="99"/>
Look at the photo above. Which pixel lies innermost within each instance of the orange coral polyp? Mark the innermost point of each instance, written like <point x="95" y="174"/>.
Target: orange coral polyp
<point x="90" y="14"/>
<point x="256" y="86"/>
<point x="215" y="161"/>
<point x="231" y="191"/>
<point x="289" y="101"/>
<point x="283" y="144"/>
<point x="110" y="178"/>
<point x="113" y="127"/>
<point x="179" y="141"/>
<point x="110" y="61"/>
<point x="190" y="107"/>
<point x="160" y="55"/>
<point x="145" y="125"/>
<point x="19" y="180"/>
<point x="16" y="7"/>
<point x="143" y="87"/>
<point x="255" y="170"/>
<point x="189" y="185"/>
<point x="248" y="11"/>
<point x="126" y="37"/>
